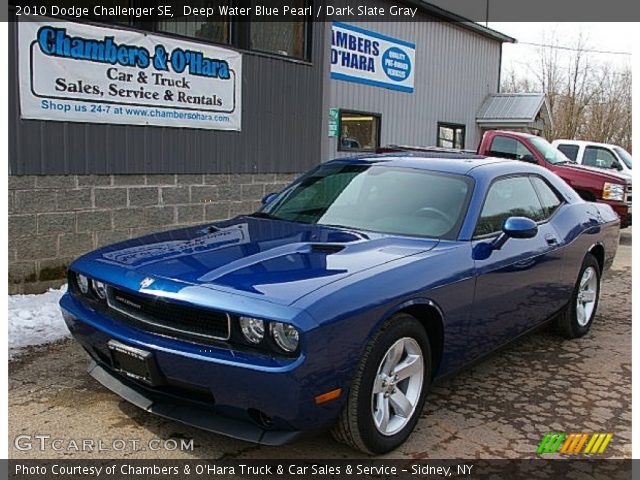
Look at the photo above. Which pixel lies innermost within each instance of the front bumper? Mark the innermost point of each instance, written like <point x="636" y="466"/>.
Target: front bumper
<point x="189" y="413"/>
<point x="259" y="399"/>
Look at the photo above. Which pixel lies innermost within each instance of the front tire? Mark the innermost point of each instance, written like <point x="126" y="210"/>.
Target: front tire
<point x="577" y="318"/>
<point x="389" y="388"/>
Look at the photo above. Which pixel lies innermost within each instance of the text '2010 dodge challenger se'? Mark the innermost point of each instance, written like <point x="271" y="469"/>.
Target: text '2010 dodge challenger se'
<point x="341" y="299"/>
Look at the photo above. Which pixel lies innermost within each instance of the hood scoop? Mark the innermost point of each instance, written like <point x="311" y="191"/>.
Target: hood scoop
<point x="326" y="248"/>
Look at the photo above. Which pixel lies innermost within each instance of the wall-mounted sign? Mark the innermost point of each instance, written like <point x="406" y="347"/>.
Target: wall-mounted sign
<point x="334" y="119"/>
<point x="75" y="72"/>
<point x="363" y="56"/>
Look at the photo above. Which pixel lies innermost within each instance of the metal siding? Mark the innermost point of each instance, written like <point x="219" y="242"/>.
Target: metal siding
<point x="455" y="71"/>
<point x="516" y="106"/>
<point x="281" y="125"/>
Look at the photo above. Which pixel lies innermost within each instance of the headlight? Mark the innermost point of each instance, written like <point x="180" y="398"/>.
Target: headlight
<point x="83" y="283"/>
<point x="285" y="335"/>
<point x="252" y="329"/>
<point x="100" y="289"/>
<point x="613" y="191"/>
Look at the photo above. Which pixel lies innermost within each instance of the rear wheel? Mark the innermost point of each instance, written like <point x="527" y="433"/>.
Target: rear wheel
<point x="577" y="318"/>
<point x="389" y="388"/>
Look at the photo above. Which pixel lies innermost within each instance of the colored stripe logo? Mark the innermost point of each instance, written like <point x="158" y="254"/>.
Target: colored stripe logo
<point x="574" y="443"/>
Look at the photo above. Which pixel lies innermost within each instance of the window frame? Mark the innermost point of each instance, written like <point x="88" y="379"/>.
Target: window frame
<point x="239" y="32"/>
<point x="453" y="126"/>
<point x="605" y="149"/>
<point x="570" y="145"/>
<point x="244" y="29"/>
<point x="358" y="112"/>
<point x="528" y="175"/>
<point x="452" y="235"/>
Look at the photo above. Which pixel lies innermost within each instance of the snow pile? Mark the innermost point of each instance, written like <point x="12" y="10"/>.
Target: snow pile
<point x="35" y="319"/>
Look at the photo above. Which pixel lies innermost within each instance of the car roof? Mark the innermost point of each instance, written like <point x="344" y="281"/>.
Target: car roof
<point x="444" y="162"/>
<point x="583" y="142"/>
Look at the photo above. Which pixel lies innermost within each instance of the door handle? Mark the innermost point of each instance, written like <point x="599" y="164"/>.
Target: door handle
<point x="551" y="239"/>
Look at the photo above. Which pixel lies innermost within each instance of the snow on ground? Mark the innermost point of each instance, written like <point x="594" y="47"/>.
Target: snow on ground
<point x="35" y="319"/>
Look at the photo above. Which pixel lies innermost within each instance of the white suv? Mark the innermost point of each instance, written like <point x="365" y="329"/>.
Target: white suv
<point x="598" y="155"/>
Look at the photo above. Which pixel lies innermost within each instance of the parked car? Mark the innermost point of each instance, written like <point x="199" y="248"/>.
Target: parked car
<point x="592" y="184"/>
<point x="343" y="298"/>
<point x="599" y="155"/>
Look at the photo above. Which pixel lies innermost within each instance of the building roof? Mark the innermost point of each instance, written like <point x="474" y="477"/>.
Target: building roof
<point x="513" y="108"/>
<point x="463" y="22"/>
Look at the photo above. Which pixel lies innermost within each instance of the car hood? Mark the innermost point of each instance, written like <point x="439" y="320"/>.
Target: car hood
<point x="619" y="177"/>
<point x="274" y="260"/>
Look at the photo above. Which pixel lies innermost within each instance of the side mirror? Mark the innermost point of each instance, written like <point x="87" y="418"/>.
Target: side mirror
<point x="616" y="166"/>
<point x="513" y="227"/>
<point x="516" y="227"/>
<point x="528" y="158"/>
<point x="268" y="198"/>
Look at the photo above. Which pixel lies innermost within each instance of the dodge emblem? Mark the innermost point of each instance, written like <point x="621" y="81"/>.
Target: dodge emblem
<point x="146" y="282"/>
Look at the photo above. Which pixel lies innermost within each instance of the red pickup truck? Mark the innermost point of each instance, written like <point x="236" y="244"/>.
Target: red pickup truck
<point x="591" y="184"/>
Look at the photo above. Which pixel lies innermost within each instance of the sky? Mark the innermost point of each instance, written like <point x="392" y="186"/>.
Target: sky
<point x="604" y="36"/>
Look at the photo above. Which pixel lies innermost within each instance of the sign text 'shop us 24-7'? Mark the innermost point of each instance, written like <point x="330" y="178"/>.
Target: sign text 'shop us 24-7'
<point x="83" y="73"/>
<point x="363" y="56"/>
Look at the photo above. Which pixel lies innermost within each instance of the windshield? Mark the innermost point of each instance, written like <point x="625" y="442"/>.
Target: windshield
<point x="549" y="152"/>
<point x="376" y="198"/>
<point x="624" y="155"/>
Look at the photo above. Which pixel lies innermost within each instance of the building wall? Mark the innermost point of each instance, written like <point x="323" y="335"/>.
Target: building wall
<point x="74" y="187"/>
<point x="281" y="124"/>
<point x="455" y="70"/>
<point x="55" y="218"/>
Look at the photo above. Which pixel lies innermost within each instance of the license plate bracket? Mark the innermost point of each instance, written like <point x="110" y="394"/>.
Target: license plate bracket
<point x="134" y="363"/>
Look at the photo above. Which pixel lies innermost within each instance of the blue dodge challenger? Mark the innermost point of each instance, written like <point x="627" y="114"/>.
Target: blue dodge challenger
<point x="343" y="298"/>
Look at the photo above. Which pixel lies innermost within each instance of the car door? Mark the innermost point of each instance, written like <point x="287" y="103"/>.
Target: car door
<point x="519" y="285"/>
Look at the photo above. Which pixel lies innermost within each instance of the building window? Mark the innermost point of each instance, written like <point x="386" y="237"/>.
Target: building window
<point x="288" y="39"/>
<point x="216" y="30"/>
<point x="359" y="132"/>
<point x="450" y="135"/>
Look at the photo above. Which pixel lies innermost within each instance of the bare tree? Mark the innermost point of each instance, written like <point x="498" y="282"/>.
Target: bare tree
<point x="587" y="100"/>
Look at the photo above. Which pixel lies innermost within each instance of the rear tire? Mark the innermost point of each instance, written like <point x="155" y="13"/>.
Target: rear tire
<point x="575" y="321"/>
<point x="389" y="388"/>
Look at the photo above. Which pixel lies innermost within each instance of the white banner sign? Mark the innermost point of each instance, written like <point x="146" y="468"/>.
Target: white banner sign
<point x="363" y="56"/>
<point x="74" y="72"/>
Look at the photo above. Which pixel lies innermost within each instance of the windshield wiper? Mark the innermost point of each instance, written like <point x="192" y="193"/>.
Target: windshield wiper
<point x="261" y="215"/>
<point x="347" y="229"/>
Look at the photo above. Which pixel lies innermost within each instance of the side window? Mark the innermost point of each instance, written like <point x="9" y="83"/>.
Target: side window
<point x="571" y="151"/>
<point x="549" y="199"/>
<point x="599" y="157"/>
<point x="509" y="197"/>
<point x="506" y="147"/>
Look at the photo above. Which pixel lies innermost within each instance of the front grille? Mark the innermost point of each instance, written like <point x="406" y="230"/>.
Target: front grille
<point x="628" y="194"/>
<point x="158" y="315"/>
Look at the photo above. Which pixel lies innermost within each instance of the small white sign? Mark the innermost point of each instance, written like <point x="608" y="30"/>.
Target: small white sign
<point x="75" y="72"/>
